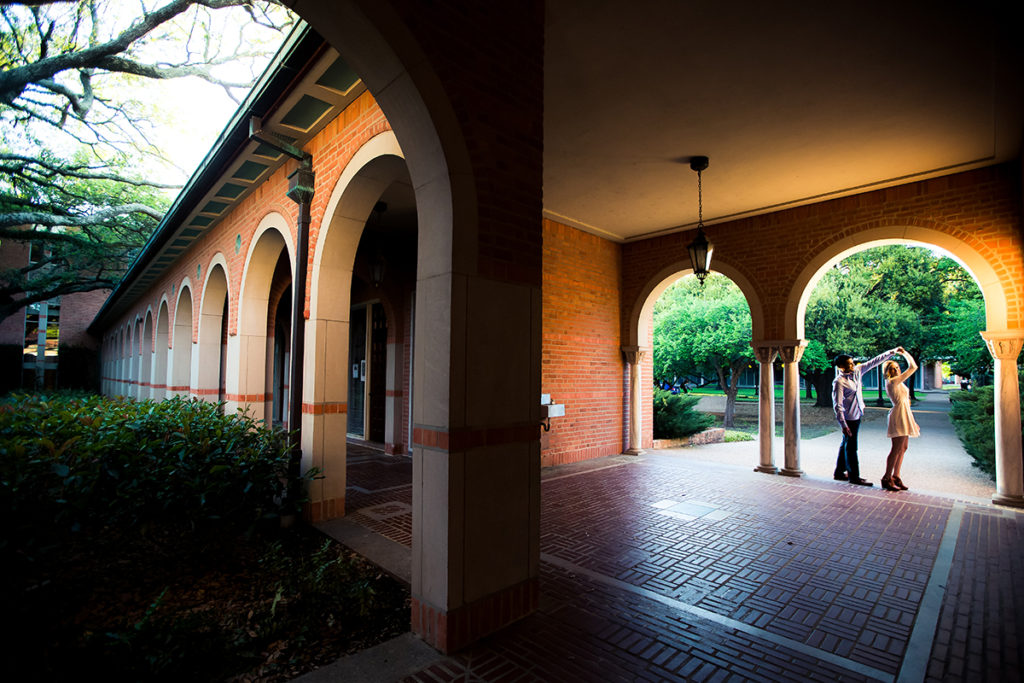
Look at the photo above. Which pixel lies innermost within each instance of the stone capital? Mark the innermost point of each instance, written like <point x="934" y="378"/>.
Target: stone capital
<point x="765" y="351"/>
<point x="634" y="355"/>
<point x="1004" y="344"/>
<point x="791" y="351"/>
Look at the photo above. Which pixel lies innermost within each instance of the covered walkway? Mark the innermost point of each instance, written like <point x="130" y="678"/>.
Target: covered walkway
<point x="659" y="567"/>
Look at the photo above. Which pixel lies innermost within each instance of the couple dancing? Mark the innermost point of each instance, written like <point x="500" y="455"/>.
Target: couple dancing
<point x="849" y="407"/>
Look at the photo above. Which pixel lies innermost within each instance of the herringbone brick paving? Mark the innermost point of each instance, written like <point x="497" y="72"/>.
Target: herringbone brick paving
<point x="661" y="569"/>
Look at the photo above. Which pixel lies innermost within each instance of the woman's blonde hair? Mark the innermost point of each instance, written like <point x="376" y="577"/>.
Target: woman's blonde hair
<point x="890" y="369"/>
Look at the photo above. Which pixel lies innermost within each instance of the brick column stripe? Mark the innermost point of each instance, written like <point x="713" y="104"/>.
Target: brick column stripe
<point x="158" y="386"/>
<point x="323" y="510"/>
<point x="449" y="631"/>
<point x="206" y="392"/>
<point x="394" y="393"/>
<point x="183" y="387"/>
<point x="325" y="408"/>
<point x="247" y="398"/>
<point x="465" y="438"/>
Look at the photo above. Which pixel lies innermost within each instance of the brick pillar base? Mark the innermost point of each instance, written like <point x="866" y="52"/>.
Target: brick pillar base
<point x="323" y="510"/>
<point x="451" y="631"/>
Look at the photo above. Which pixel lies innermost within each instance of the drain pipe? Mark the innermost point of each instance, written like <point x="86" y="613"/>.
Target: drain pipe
<point x="300" y="191"/>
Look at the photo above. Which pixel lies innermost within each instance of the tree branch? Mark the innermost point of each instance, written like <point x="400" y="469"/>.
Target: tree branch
<point x="19" y="218"/>
<point x="14" y="81"/>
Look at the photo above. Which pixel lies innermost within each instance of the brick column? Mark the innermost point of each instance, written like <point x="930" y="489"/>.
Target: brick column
<point x="791" y="352"/>
<point x="1005" y="346"/>
<point x="634" y="356"/>
<point x="766" y="352"/>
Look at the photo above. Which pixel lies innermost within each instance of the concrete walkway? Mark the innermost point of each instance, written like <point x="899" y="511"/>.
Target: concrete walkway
<point x="669" y="567"/>
<point x="936" y="462"/>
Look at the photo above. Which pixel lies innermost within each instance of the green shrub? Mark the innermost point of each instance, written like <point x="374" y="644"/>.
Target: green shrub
<point x="973" y="417"/>
<point x="68" y="463"/>
<point x="675" y="415"/>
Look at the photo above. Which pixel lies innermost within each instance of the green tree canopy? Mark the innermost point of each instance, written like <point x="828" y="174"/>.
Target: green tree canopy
<point x="889" y="296"/>
<point x="81" y="173"/>
<point x="703" y="330"/>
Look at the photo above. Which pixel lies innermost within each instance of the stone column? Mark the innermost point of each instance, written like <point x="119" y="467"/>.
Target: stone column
<point x="1005" y="346"/>
<point x="634" y="356"/>
<point x="791" y="352"/>
<point x="766" y="354"/>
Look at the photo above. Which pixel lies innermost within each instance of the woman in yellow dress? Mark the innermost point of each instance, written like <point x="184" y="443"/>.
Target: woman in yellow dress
<point x="902" y="424"/>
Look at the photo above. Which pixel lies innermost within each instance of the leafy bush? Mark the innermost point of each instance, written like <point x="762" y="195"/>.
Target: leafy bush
<point x="973" y="418"/>
<point x="675" y="415"/>
<point x="69" y="463"/>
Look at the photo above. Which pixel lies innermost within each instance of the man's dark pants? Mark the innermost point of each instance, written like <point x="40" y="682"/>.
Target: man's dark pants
<point x="847" y="460"/>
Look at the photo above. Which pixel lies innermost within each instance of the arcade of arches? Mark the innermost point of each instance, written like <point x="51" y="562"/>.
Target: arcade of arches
<point x="440" y="305"/>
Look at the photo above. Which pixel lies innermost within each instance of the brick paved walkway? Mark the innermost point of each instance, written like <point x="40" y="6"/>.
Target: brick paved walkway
<point x="661" y="568"/>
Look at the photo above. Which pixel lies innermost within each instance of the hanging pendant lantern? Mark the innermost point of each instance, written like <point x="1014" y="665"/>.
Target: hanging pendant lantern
<point x="700" y="248"/>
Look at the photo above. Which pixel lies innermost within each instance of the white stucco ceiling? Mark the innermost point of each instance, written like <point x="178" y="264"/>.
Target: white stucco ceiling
<point x="793" y="102"/>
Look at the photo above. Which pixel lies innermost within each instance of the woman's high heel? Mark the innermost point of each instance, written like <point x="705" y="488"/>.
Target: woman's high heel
<point x="898" y="483"/>
<point x="887" y="484"/>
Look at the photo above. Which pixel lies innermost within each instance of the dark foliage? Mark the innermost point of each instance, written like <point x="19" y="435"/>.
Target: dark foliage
<point x="675" y="415"/>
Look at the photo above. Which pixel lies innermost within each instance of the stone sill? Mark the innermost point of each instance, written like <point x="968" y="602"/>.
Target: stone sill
<point x="713" y="435"/>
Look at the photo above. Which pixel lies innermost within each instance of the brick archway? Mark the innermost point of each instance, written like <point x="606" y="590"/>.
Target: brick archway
<point x="160" y="347"/>
<point x="982" y="263"/>
<point x="375" y="165"/>
<point x="476" y="458"/>
<point x="210" y="367"/>
<point x="989" y="262"/>
<point x="639" y="336"/>
<point x="180" y="379"/>
<point x="247" y="377"/>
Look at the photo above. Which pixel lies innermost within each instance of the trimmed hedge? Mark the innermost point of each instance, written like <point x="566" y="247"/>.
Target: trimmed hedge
<point x="675" y="415"/>
<point x="973" y="418"/>
<point x="69" y="463"/>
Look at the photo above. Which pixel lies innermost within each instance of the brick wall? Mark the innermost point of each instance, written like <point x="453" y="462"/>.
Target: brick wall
<point x="76" y="312"/>
<point x="981" y="208"/>
<point x="582" y="356"/>
<point x="332" y="149"/>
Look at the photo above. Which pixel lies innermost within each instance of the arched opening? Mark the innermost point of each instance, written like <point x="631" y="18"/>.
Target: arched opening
<point x="1003" y="343"/>
<point x="146" y="359"/>
<point x="137" y="348"/>
<point x="701" y="343"/>
<point x="476" y="295"/>
<point x="181" y="361"/>
<point x="380" y="339"/>
<point x="213" y="332"/>
<point x="355" y="243"/>
<point x="280" y="320"/>
<point x="639" y="421"/>
<point x="267" y="272"/>
<point x="160" y="354"/>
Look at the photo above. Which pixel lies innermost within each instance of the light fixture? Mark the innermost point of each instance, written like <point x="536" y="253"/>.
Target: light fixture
<point x="700" y="249"/>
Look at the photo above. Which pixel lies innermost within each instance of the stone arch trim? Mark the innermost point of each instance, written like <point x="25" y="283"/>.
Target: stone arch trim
<point x="186" y="284"/>
<point x="217" y="259"/>
<point x="165" y="301"/>
<point x="997" y="273"/>
<point x="339" y="211"/>
<point x="271" y="224"/>
<point x="637" y="331"/>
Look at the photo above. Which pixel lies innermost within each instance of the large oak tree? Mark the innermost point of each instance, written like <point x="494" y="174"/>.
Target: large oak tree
<point x="81" y="172"/>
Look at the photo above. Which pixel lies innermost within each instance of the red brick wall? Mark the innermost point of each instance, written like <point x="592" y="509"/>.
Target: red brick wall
<point x="582" y="352"/>
<point x="13" y="254"/>
<point x="332" y="149"/>
<point x="76" y="312"/>
<point x="981" y="208"/>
